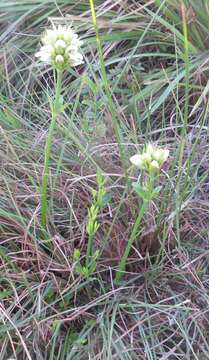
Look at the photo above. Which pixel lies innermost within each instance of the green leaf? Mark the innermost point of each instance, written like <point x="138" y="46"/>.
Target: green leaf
<point x="140" y="190"/>
<point x="105" y="199"/>
<point x="155" y="192"/>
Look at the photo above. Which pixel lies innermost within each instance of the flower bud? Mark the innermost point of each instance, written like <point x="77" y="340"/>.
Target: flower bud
<point x="154" y="166"/>
<point x="165" y="155"/>
<point x="161" y="155"/>
<point x="60" y="46"/>
<point x="68" y="35"/>
<point x="146" y="158"/>
<point x="150" y="149"/>
<point x="60" y="31"/>
<point x="59" y="59"/>
<point x="49" y="37"/>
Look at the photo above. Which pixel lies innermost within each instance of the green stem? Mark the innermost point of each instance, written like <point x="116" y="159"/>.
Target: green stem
<point x="111" y="105"/>
<point x="186" y="60"/>
<point x="89" y="249"/>
<point x="179" y="198"/>
<point x="55" y="111"/>
<point x="122" y="264"/>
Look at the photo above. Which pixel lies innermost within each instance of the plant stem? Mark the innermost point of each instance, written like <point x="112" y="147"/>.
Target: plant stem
<point x="186" y="60"/>
<point x="111" y="105"/>
<point x="55" y="109"/>
<point x="89" y="249"/>
<point x="122" y="264"/>
<point x="179" y="197"/>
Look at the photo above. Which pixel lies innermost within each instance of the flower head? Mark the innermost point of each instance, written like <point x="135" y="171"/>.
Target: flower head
<point x="60" y="48"/>
<point x="151" y="159"/>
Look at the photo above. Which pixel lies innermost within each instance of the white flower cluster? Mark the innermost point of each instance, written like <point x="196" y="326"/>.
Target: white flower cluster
<point x="60" y="48"/>
<point x="151" y="159"/>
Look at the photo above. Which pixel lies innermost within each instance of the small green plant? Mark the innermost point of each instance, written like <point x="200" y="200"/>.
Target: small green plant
<point x="99" y="200"/>
<point x="60" y="49"/>
<point x="150" y="161"/>
<point x="83" y="270"/>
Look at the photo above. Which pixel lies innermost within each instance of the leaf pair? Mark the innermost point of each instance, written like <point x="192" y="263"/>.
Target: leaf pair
<point x="145" y="192"/>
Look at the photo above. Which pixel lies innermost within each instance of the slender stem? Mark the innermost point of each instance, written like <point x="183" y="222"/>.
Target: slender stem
<point x="47" y="151"/>
<point x="122" y="264"/>
<point x="184" y="129"/>
<point x="111" y="105"/>
<point x="186" y="60"/>
<point x="89" y="249"/>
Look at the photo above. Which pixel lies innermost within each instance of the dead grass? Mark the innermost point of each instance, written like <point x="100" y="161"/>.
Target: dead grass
<point x="48" y="311"/>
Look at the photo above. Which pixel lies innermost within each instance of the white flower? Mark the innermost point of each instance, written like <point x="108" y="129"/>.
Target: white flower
<point x="161" y="155"/>
<point x="61" y="48"/>
<point x="137" y="160"/>
<point x="151" y="159"/>
<point x="45" y="54"/>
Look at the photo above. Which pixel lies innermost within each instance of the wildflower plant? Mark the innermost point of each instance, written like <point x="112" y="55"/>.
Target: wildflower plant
<point x="149" y="161"/>
<point x="61" y="50"/>
<point x="99" y="200"/>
